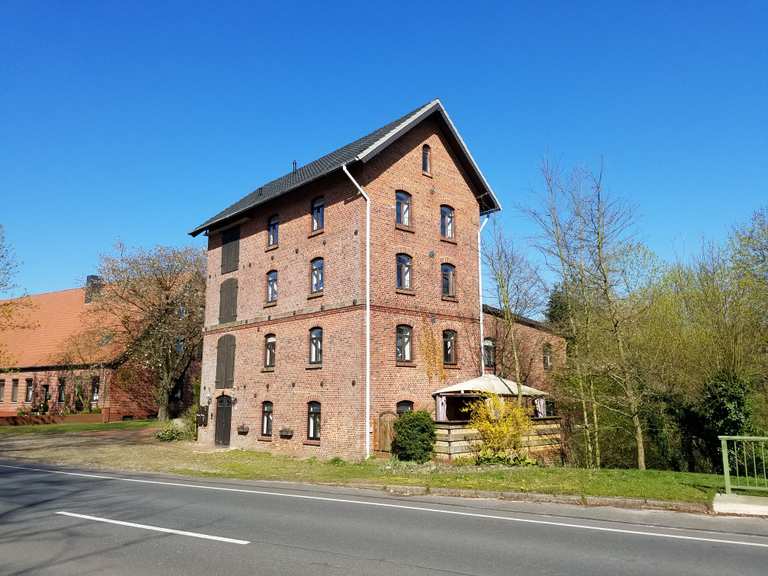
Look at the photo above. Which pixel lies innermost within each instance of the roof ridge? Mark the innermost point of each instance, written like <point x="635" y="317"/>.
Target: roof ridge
<point x="357" y="150"/>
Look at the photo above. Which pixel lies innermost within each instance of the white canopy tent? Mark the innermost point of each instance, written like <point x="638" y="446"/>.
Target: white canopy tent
<point x="485" y="384"/>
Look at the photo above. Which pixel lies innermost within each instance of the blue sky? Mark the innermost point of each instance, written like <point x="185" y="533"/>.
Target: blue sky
<point x="127" y="122"/>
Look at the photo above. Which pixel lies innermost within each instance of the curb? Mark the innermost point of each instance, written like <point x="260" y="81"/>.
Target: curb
<point x="592" y="501"/>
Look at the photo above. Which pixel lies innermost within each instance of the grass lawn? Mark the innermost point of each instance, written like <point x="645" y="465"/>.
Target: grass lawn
<point x="77" y="427"/>
<point x="129" y="447"/>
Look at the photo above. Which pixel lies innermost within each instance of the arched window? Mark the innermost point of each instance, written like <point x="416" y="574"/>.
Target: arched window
<point x="317" y="276"/>
<point x="426" y="159"/>
<point x="489" y="352"/>
<point x="402" y="208"/>
<point x="313" y="421"/>
<point x="316" y="346"/>
<point x="266" y="418"/>
<point x="272" y="286"/>
<point x="318" y="214"/>
<point x="449" y="347"/>
<point x="446" y="222"/>
<point x="404" y="343"/>
<point x="273" y="230"/>
<point x="270" y="350"/>
<point x="546" y="356"/>
<point x="403" y="276"/>
<point x="225" y="361"/>
<point x="228" y="301"/>
<point x="404" y="406"/>
<point x="448" y="273"/>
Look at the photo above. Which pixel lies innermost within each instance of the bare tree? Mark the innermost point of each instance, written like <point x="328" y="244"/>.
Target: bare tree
<point x="12" y="308"/>
<point x="587" y="240"/>
<point x="519" y="291"/>
<point x="151" y="306"/>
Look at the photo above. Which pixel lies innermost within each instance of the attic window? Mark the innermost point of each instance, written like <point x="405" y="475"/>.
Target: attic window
<point x="426" y="159"/>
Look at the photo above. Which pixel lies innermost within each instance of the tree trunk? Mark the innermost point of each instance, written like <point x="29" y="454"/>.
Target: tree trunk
<point x="162" y="413"/>
<point x="639" y="441"/>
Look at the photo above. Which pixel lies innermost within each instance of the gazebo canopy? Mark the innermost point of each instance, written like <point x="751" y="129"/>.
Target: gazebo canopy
<point x="488" y="383"/>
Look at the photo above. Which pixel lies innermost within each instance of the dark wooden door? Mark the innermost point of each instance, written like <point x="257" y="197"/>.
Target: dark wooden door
<point x="223" y="420"/>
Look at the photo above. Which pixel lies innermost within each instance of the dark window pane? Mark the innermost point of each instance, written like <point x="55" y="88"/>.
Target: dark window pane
<point x="404" y="406"/>
<point x="449" y="347"/>
<point x="272" y="286"/>
<point x="446" y="222"/>
<point x="313" y="421"/>
<point x="426" y="159"/>
<point x="266" y="419"/>
<point x="403" y="208"/>
<point x="273" y="231"/>
<point x="448" y="276"/>
<point x="318" y="214"/>
<point x="316" y="346"/>
<point x="403" y="279"/>
<point x="317" y="280"/>
<point x="403" y="344"/>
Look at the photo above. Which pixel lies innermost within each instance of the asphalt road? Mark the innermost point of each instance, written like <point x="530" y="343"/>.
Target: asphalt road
<point x="56" y="521"/>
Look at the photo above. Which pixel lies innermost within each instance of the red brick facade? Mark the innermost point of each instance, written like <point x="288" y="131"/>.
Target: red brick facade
<point x="339" y="384"/>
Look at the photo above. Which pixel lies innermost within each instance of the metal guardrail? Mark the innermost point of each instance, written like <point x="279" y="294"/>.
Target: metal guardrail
<point x="744" y="462"/>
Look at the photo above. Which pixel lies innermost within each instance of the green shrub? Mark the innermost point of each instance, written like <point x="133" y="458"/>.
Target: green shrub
<point x="414" y="436"/>
<point x="170" y="433"/>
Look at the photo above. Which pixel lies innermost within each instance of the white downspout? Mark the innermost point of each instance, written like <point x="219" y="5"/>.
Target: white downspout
<point x="480" y="285"/>
<point x="367" y="310"/>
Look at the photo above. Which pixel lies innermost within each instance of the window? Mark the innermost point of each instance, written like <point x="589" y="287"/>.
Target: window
<point x="318" y="214"/>
<point x="95" y="387"/>
<point x="404" y="406"/>
<point x="403" y="280"/>
<point x="46" y="392"/>
<point x="273" y="226"/>
<point x="317" y="276"/>
<point x="313" y="421"/>
<point x="62" y="391"/>
<point x="316" y="346"/>
<point x="448" y="272"/>
<point x="489" y="352"/>
<point x="230" y="250"/>
<point x="426" y="159"/>
<point x="546" y="356"/>
<point x="403" y="343"/>
<point x="446" y="222"/>
<point x="225" y="361"/>
<point x="402" y="208"/>
<point x="449" y="347"/>
<point x="15" y="390"/>
<point x="266" y="418"/>
<point x="270" y="349"/>
<point x="2" y="390"/>
<point x="228" y="301"/>
<point x="272" y="286"/>
<point x="30" y="391"/>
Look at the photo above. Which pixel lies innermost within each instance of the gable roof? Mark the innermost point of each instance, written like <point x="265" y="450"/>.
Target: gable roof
<point x="54" y="318"/>
<point x="361" y="150"/>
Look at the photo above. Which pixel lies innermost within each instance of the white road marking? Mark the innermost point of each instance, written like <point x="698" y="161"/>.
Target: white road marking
<point x="403" y="507"/>
<point x="155" y="528"/>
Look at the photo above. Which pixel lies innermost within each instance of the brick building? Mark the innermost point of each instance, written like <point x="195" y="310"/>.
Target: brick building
<point x="51" y="366"/>
<point x="302" y="354"/>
